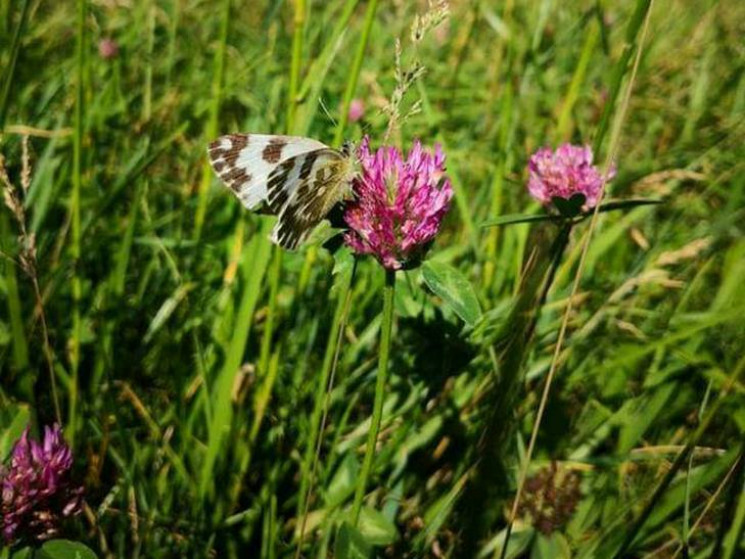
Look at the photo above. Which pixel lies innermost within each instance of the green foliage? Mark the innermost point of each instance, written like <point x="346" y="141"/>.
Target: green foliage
<point x="193" y="365"/>
<point x="56" y="549"/>
<point x="454" y="288"/>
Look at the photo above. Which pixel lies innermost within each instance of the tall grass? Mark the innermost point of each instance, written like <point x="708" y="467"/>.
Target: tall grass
<point x="220" y="393"/>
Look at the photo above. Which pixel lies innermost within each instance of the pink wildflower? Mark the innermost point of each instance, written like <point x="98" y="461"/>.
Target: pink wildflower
<point x="37" y="491"/>
<point x="108" y="48"/>
<point x="356" y="110"/>
<point x="564" y="173"/>
<point x="399" y="204"/>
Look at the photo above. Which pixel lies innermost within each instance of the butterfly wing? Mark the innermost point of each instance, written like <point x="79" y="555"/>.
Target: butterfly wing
<point x="244" y="161"/>
<point x="303" y="189"/>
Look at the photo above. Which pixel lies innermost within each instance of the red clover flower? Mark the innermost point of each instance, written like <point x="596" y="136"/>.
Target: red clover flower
<point x="564" y="173"/>
<point x="37" y="489"/>
<point x="108" y="48"/>
<point x="399" y="204"/>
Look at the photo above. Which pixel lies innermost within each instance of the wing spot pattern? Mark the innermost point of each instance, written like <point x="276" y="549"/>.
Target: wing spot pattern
<point x="228" y="148"/>
<point x="308" y="165"/>
<point x="273" y="150"/>
<point x="276" y="185"/>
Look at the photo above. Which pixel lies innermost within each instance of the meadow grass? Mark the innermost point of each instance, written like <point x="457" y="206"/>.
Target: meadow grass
<point x="219" y="392"/>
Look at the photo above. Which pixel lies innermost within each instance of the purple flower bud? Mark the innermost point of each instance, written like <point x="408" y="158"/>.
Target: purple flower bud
<point x="37" y="489"/>
<point x="564" y="173"/>
<point x="399" y="205"/>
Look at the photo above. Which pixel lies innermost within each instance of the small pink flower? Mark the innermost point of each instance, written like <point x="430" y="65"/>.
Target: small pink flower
<point x="399" y="204"/>
<point x="356" y="110"/>
<point x="564" y="173"/>
<point x="36" y="489"/>
<point x="108" y="48"/>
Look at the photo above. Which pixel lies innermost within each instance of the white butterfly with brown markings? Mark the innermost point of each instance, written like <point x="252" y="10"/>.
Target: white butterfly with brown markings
<point x="299" y="179"/>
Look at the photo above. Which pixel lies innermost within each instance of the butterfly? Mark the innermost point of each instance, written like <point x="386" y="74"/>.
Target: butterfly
<point x="298" y="179"/>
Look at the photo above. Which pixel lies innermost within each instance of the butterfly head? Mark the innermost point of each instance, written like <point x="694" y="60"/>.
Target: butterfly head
<point x="348" y="148"/>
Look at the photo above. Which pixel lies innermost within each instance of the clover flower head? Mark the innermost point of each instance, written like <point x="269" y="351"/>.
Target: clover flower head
<point x="565" y="172"/>
<point x="37" y="491"/>
<point x="108" y="48"/>
<point x="399" y="203"/>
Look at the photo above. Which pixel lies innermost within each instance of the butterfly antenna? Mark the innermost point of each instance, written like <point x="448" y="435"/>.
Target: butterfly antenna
<point x="326" y="111"/>
<point x="366" y="127"/>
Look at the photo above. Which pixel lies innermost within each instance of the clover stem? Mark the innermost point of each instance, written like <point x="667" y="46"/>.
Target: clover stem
<point x="372" y="436"/>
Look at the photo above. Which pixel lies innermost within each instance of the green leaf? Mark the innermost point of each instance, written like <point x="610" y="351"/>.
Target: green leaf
<point x="626" y="204"/>
<point x="64" y="549"/>
<point x="569" y="207"/>
<point x="342" y="271"/>
<point x="23" y="553"/>
<point x="13" y="420"/>
<point x="376" y="528"/>
<point x="511" y="219"/>
<point x="166" y="310"/>
<point x="350" y="544"/>
<point x="554" y="546"/>
<point x="343" y="483"/>
<point x="454" y="288"/>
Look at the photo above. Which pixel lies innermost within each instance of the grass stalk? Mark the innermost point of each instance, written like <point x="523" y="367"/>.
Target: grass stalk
<point x="147" y="96"/>
<point x="492" y="240"/>
<point x="633" y="26"/>
<point x="641" y="12"/>
<point x="693" y="441"/>
<point x="75" y="251"/>
<point x="211" y="128"/>
<point x="683" y="546"/>
<point x="297" y="55"/>
<point x="276" y="273"/>
<point x="18" y="333"/>
<point x="175" y="18"/>
<point x="354" y="74"/>
<point x="372" y="437"/>
<point x="254" y="263"/>
<point x="563" y="128"/>
<point x="275" y="279"/>
<point x="321" y="404"/>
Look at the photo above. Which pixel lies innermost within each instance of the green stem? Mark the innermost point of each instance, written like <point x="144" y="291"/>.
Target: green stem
<point x="659" y="491"/>
<point x="211" y="129"/>
<point x="633" y="31"/>
<point x="355" y="73"/>
<point x="321" y="403"/>
<point x="297" y="53"/>
<point x="77" y="179"/>
<point x="274" y="282"/>
<point x="372" y="436"/>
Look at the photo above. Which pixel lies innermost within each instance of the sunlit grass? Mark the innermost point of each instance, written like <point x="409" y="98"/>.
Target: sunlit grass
<point x="194" y="360"/>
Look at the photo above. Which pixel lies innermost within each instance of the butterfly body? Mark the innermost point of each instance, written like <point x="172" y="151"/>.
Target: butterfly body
<point x="299" y="179"/>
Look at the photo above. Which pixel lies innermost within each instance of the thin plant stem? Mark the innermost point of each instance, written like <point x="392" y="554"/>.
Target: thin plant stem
<point x="275" y="279"/>
<point x="321" y="404"/>
<point x="687" y="504"/>
<point x="732" y="380"/>
<point x="707" y="508"/>
<point x="575" y="288"/>
<point x="276" y="274"/>
<point x="355" y="72"/>
<point x="77" y="180"/>
<point x="211" y="128"/>
<point x="372" y="437"/>
<point x="45" y="335"/>
<point x="297" y="54"/>
<point x="147" y="97"/>
<point x="28" y="262"/>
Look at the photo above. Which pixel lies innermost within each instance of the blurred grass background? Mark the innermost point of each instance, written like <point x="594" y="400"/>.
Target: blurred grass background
<point x="188" y="352"/>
